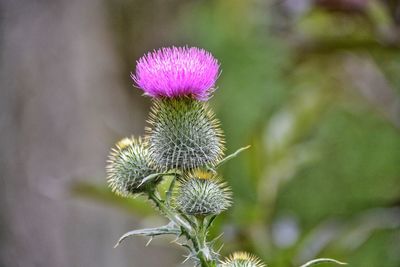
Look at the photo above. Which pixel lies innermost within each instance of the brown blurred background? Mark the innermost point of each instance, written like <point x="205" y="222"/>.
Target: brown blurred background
<point x="66" y="96"/>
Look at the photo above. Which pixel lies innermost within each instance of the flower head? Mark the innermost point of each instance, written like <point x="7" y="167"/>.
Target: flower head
<point x="128" y="165"/>
<point x="177" y="71"/>
<point x="242" y="259"/>
<point x="202" y="193"/>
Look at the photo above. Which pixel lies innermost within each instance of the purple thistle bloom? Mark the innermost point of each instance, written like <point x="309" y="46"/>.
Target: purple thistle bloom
<point x="177" y="71"/>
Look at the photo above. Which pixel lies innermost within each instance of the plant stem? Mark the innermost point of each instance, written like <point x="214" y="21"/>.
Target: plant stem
<point x="204" y="253"/>
<point x="169" y="213"/>
<point x="197" y="233"/>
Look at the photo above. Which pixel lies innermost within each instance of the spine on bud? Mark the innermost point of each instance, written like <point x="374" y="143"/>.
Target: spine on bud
<point x="202" y="194"/>
<point x="128" y="165"/>
<point x="184" y="134"/>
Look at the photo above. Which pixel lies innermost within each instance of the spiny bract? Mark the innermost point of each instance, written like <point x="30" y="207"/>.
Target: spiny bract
<point x="242" y="259"/>
<point x="128" y="165"/>
<point x="202" y="194"/>
<point x="184" y="134"/>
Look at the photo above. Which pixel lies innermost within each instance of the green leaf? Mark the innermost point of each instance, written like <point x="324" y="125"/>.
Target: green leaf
<point x="231" y="156"/>
<point x="322" y="260"/>
<point x="169" y="229"/>
<point x="105" y="195"/>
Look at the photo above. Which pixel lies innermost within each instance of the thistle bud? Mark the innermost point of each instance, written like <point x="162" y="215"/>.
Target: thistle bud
<point x="202" y="194"/>
<point x="184" y="134"/>
<point x="242" y="259"/>
<point x="128" y="165"/>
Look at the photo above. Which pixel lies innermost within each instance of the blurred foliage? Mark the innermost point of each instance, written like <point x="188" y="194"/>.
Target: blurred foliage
<point x="315" y="91"/>
<point x="104" y="194"/>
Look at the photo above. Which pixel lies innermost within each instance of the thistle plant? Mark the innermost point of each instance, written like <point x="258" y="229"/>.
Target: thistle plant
<point x="184" y="142"/>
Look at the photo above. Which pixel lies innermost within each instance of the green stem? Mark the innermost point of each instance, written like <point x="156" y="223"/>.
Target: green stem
<point x="204" y="253"/>
<point x="196" y="233"/>
<point x="169" y="213"/>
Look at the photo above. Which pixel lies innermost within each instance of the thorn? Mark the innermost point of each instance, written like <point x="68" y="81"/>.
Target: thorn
<point x="186" y="258"/>
<point x="215" y="239"/>
<point x="148" y="242"/>
<point x="175" y="240"/>
<point x="220" y="248"/>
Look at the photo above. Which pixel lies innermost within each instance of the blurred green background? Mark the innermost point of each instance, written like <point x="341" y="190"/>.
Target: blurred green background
<point x="312" y="86"/>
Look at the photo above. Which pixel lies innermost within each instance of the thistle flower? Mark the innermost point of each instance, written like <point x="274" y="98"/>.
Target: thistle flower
<point x="242" y="259"/>
<point x="176" y="72"/>
<point x="184" y="134"/>
<point x="202" y="194"/>
<point x="128" y="165"/>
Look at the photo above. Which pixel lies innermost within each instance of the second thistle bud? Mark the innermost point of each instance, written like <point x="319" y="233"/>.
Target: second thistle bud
<point x="201" y="194"/>
<point x="242" y="259"/>
<point x="128" y="165"/>
<point x="184" y="134"/>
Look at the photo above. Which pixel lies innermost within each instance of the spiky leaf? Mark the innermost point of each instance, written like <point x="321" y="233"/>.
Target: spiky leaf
<point x="169" y="229"/>
<point x="322" y="260"/>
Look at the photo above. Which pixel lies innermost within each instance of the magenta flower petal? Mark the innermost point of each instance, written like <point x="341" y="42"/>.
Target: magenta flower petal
<point x="177" y="71"/>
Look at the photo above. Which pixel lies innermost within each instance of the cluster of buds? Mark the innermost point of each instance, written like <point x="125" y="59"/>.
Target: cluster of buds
<point x="184" y="146"/>
<point x="184" y="143"/>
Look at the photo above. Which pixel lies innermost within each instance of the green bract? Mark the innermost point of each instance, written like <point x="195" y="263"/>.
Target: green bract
<point x="184" y="134"/>
<point x="202" y="195"/>
<point x="128" y="165"/>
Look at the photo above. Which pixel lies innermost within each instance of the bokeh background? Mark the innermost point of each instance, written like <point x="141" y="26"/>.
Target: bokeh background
<point x="312" y="85"/>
